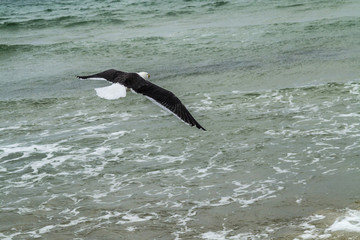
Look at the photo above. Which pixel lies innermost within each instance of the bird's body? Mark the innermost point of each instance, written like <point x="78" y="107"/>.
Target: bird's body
<point x="138" y="83"/>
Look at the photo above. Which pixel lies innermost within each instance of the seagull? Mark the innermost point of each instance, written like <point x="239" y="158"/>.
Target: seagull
<point x="138" y="83"/>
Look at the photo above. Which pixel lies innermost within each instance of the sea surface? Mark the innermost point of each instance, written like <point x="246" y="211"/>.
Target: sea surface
<point x="275" y="83"/>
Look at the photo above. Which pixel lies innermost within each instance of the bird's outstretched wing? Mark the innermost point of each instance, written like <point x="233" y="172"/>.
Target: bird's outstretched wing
<point x="167" y="100"/>
<point x="110" y="75"/>
<point x="156" y="94"/>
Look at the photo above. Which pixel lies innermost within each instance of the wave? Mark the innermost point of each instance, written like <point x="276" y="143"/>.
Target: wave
<point x="326" y="88"/>
<point x="37" y="23"/>
<point x="95" y="21"/>
<point x="216" y="4"/>
<point x="33" y="102"/>
<point x="291" y="5"/>
<point x="9" y="49"/>
<point x="63" y="21"/>
<point x="5" y="49"/>
<point x="340" y="25"/>
<point x="177" y="13"/>
<point x="194" y="9"/>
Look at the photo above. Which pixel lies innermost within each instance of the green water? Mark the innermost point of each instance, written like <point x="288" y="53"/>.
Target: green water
<point x="275" y="83"/>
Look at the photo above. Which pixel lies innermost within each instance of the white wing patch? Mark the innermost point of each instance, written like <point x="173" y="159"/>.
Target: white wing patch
<point x="111" y="92"/>
<point x="94" y="78"/>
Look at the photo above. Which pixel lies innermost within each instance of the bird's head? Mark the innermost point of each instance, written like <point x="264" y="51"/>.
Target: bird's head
<point x="144" y="75"/>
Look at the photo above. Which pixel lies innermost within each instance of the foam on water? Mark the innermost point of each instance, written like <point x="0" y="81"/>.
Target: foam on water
<point x="326" y="227"/>
<point x="162" y="179"/>
<point x="311" y="232"/>
<point x="226" y="234"/>
<point x="215" y="235"/>
<point x="350" y="222"/>
<point x="133" y="218"/>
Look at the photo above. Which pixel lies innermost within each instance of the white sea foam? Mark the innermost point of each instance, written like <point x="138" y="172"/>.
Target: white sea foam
<point x="219" y="235"/>
<point x="68" y="213"/>
<point x="119" y="133"/>
<point x="354" y="88"/>
<point x="131" y="229"/>
<point x="109" y="215"/>
<point x="247" y="194"/>
<point x="208" y="100"/>
<point x="226" y="108"/>
<point x="350" y="222"/>
<point x="94" y="128"/>
<point x="279" y="170"/>
<point x="25" y="151"/>
<point x="225" y="235"/>
<point x="48" y="228"/>
<point x="97" y="194"/>
<point x="203" y="105"/>
<point x="10" y="236"/>
<point x="3" y="169"/>
<point x="133" y="218"/>
<point x="330" y="172"/>
<point x="350" y="115"/>
<point x="310" y="230"/>
<point x="10" y="128"/>
<point x="101" y="150"/>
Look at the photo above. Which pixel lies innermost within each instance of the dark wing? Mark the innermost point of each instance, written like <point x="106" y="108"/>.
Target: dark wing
<point x="110" y="75"/>
<point x="168" y="100"/>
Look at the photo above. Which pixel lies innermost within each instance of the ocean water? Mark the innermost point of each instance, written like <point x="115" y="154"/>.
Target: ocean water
<point x="275" y="83"/>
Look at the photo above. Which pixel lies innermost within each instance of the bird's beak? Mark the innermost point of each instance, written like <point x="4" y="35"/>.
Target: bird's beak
<point x="148" y="75"/>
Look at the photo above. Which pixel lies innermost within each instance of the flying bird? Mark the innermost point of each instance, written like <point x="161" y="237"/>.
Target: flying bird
<point x="138" y="83"/>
